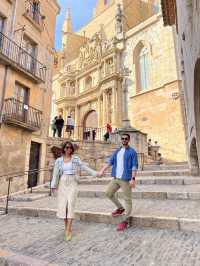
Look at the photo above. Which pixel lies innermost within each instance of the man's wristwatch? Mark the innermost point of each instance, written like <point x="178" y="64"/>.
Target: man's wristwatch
<point x="133" y="178"/>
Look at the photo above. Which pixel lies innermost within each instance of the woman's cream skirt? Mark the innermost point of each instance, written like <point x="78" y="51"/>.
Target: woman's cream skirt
<point x="67" y="195"/>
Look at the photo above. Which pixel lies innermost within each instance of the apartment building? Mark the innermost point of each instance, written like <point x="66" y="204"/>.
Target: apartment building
<point x="27" y="31"/>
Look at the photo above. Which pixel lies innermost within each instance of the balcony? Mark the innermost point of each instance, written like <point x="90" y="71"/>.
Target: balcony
<point x="17" y="57"/>
<point x="21" y="115"/>
<point x="32" y="13"/>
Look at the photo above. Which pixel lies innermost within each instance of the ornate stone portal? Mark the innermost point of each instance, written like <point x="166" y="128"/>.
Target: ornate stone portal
<point x="97" y="70"/>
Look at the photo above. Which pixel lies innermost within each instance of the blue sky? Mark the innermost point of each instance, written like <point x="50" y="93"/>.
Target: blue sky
<point x="81" y="14"/>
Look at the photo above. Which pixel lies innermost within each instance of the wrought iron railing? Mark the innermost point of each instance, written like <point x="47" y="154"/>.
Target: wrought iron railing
<point x="32" y="9"/>
<point x="82" y="133"/>
<point x="10" y="177"/>
<point x="21" y="58"/>
<point x="21" y="112"/>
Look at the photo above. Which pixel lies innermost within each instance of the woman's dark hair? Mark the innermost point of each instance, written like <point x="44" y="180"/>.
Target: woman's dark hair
<point x="65" y="144"/>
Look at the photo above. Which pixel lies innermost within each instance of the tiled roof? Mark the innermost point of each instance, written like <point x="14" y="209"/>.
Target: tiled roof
<point x="169" y="12"/>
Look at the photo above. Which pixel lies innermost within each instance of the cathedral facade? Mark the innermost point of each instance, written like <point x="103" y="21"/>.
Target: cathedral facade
<point x="120" y="69"/>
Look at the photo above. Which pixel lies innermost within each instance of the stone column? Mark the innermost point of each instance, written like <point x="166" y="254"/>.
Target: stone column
<point x="115" y="63"/>
<point x="76" y="87"/>
<point x="114" y="100"/>
<point x="105" y="70"/>
<point x="125" y="119"/>
<point x="65" y="114"/>
<point x="99" y="74"/>
<point x="99" y="112"/>
<point x="77" y="122"/>
<point x="105" y="113"/>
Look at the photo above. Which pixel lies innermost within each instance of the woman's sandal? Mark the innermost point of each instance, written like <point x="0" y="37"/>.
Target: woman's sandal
<point x="68" y="236"/>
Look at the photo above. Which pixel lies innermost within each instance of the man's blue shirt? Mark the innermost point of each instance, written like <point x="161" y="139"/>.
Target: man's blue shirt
<point x="130" y="163"/>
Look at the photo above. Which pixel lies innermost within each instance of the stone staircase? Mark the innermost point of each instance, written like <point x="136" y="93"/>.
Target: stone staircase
<point x="164" y="198"/>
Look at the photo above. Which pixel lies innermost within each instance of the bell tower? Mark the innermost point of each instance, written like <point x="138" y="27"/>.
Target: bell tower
<point x="67" y="27"/>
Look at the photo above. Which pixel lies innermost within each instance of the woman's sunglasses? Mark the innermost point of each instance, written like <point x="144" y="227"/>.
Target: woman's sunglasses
<point x="69" y="147"/>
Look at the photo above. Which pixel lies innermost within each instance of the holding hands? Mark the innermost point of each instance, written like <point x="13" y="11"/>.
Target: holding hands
<point x="100" y="173"/>
<point x="132" y="183"/>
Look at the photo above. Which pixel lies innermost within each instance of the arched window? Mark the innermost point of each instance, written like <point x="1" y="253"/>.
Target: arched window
<point x="88" y="83"/>
<point x="143" y="69"/>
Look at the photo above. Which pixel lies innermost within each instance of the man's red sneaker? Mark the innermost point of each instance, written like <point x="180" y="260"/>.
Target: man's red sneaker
<point x="118" y="212"/>
<point x="122" y="226"/>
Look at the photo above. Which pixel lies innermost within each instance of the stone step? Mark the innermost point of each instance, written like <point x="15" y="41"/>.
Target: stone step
<point x="171" y="214"/>
<point x="170" y="172"/>
<point x="187" y="192"/>
<point x="176" y="166"/>
<point x="10" y="258"/>
<point x="146" y="180"/>
<point x="190" y="192"/>
<point x="157" y="172"/>
<point x="36" y="195"/>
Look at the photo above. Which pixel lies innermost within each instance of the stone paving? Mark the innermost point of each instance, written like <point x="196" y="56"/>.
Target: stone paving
<point x="98" y="244"/>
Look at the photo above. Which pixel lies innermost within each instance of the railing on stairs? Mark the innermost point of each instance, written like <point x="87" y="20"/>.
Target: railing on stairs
<point x="81" y="133"/>
<point x="11" y="176"/>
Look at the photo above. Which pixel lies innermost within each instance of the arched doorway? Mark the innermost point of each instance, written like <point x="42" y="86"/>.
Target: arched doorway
<point x="90" y="125"/>
<point x="197" y="106"/>
<point x="194" y="162"/>
<point x="91" y="119"/>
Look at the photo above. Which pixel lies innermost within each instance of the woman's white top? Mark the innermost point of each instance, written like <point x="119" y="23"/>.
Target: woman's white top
<point x="73" y="168"/>
<point x="67" y="168"/>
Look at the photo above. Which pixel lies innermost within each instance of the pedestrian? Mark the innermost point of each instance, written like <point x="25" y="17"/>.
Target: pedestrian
<point x="124" y="164"/>
<point x="70" y="125"/>
<point x="65" y="177"/>
<point x="94" y="134"/>
<point x="149" y="146"/>
<point x="53" y="126"/>
<point x="108" y="132"/>
<point x="59" y="125"/>
<point x="36" y="10"/>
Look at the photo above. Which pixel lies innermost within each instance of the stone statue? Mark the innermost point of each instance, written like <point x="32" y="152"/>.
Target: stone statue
<point x="119" y="20"/>
<point x="91" y="52"/>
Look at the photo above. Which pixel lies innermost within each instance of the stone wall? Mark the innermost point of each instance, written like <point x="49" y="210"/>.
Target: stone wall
<point x="156" y="110"/>
<point x="161" y="118"/>
<point x="88" y="152"/>
<point x="13" y="152"/>
<point x="188" y="22"/>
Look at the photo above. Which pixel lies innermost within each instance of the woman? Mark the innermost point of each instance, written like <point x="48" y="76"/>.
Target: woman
<point x="53" y="126"/>
<point x="65" y="178"/>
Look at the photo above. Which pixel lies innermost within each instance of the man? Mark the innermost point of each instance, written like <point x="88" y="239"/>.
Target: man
<point x="124" y="164"/>
<point x="70" y="125"/>
<point x="59" y="125"/>
<point x="53" y="126"/>
<point x="149" y="146"/>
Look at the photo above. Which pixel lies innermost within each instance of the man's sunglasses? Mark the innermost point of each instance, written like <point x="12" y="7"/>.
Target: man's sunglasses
<point x="68" y="147"/>
<point x="124" y="138"/>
